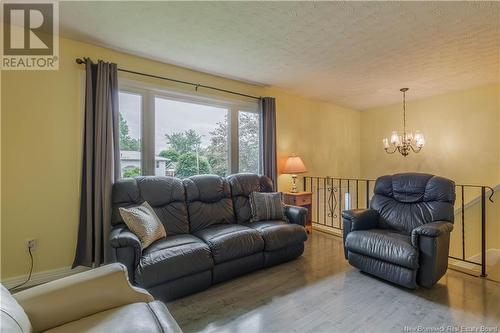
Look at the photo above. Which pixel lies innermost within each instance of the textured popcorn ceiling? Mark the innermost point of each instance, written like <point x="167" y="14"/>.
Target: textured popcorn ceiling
<point x="356" y="54"/>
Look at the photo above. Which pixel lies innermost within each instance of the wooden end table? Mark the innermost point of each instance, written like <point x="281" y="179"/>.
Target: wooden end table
<point x="301" y="199"/>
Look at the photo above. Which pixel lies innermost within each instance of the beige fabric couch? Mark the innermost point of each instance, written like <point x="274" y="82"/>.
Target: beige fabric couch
<point x="99" y="300"/>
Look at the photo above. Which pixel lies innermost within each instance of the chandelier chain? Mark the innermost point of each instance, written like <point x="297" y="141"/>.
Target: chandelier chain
<point x="404" y="115"/>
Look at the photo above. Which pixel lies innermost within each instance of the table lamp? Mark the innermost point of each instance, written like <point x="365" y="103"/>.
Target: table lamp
<point x="294" y="166"/>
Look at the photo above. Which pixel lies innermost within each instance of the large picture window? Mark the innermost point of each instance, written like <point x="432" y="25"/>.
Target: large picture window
<point x="171" y="134"/>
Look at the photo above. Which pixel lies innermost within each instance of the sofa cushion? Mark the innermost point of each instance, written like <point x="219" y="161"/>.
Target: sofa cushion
<point x="136" y="317"/>
<point x="144" y="223"/>
<point x="267" y="206"/>
<point x="171" y="258"/>
<point x="12" y="317"/>
<point x="242" y="184"/>
<point x="384" y="245"/>
<point x="165" y="194"/>
<point x="231" y="241"/>
<point x="279" y="234"/>
<point x="209" y="201"/>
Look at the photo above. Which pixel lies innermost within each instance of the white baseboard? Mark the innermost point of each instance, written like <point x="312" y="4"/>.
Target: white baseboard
<point x="464" y="267"/>
<point x="42" y="277"/>
<point x="331" y="231"/>
<point x="492" y="258"/>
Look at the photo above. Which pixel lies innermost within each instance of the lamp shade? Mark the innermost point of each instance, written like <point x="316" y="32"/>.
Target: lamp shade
<point x="294" y="165"/>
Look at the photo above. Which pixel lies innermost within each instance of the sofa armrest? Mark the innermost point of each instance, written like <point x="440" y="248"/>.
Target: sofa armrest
<point x="296" y="215"/>
<point x="433" y="229"/>
<point x="74" y="297"/>
<point x="125" y="248"/>
<point x="358" y="219"/>
<point x="433" y="243"/>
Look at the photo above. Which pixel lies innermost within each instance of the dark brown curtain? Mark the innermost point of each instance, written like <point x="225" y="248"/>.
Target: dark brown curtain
<point x="270" y="165"/>
<point x="100" y="165"/>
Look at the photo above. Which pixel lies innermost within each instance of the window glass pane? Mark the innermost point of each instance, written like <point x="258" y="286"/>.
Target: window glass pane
<point x="130" y="134"/>
<point x="249" y="152"/>
<point x="190" y="139"/>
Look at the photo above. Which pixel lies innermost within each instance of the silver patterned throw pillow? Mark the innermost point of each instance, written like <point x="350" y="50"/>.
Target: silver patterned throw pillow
<point x="144" y="223"/>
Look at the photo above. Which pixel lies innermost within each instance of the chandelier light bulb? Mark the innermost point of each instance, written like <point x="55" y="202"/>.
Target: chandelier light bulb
<point x="385" y="141"/>
<point x="394" y="138"/>
<point x="419" y="139"/>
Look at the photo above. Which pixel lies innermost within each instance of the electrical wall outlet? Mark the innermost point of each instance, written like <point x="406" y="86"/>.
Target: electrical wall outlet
<point x="31" y="244"/>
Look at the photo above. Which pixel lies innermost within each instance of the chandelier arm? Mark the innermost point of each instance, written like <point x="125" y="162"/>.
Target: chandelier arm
<point x="418" y="149"/>
<point x="391" y="152"/>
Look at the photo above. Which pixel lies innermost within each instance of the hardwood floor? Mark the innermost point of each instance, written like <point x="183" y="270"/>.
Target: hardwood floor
<point x="321" y="292"/>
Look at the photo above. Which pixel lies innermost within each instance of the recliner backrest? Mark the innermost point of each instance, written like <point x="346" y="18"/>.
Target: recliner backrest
<point x="242" y="184"/>
<point x="408" y="200"/>
<point x="165" y="194"/>
<point x="208" y="200"/>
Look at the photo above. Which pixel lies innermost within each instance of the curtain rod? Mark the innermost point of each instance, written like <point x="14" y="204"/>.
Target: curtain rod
<point x="196" y="85"/>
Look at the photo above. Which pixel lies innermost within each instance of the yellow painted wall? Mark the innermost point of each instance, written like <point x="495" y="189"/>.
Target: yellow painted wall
<point x="41" y="148"/>
<point x="324" y="135"/>
<point x="462" y="132"/>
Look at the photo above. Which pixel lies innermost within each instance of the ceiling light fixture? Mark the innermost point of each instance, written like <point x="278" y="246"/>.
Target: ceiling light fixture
<point x="404" y="142"/>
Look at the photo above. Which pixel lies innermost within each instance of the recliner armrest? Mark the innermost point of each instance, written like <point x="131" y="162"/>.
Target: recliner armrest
<point x="358" y="219"/>
<point x="433" y="243"/>
<point x="126" y="248"/>
<point x="74" y="297"/>
<point x="296" y="215"/>
<point x="361" y="219"/>
<point x="433" y="229"/>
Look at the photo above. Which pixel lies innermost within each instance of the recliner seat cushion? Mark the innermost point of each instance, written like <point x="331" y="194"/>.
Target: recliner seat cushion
<point x="385" y="245"/>
<point x="231" y="241"/>
<point x="171" y="258"/>
<point x="279" y="234"/>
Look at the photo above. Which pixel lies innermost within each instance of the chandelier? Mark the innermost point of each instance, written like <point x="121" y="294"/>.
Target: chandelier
<point x="404" y="142"/>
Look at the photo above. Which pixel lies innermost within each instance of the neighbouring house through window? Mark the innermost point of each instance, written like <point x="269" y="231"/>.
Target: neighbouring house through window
<point x="166" y="133"/>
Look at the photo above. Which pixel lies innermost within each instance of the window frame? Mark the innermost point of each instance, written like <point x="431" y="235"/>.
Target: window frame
<point x="149" y="91"/>
<point x="139" y="92"/>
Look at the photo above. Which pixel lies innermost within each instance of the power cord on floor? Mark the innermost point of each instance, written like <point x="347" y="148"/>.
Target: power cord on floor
<point x="29" y="275"/>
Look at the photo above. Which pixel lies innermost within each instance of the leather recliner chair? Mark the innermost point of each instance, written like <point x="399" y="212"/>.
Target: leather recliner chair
<point x="404" y="237"/>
